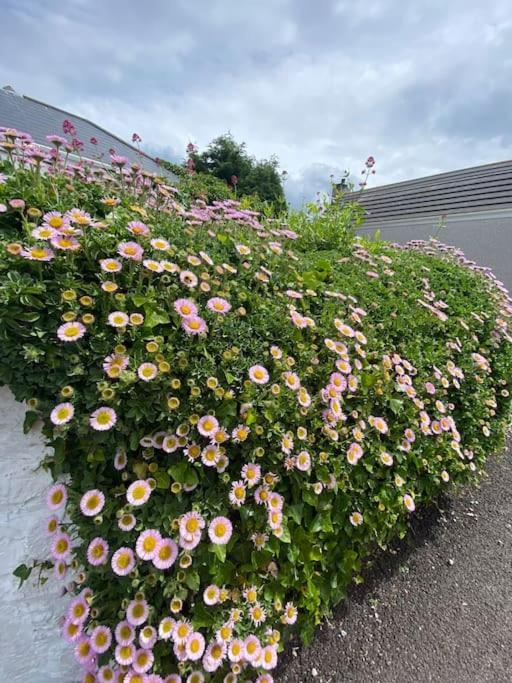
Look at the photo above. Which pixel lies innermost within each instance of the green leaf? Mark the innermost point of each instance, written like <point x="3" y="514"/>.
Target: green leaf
<point x="163" y="480"/>
<point x="156" y="317"/>
<point x="396" y="405"/>
<point x="295" y="512"/>
<point x="193" y="581"/>
<point x="22" y="572"/>
<point x="31" y="417"/>
<point x="251" y="417"/>
<point x="218" y="550"/>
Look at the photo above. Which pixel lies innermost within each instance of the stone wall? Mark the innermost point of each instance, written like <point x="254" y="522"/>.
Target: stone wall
<point x="30" y="643"/>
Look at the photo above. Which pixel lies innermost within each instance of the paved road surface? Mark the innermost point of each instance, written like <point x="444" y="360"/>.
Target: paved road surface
<point x="439" y="609"/>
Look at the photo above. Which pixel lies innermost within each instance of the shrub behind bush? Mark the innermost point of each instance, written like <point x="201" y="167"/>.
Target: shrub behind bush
<point x="236" y="424"/>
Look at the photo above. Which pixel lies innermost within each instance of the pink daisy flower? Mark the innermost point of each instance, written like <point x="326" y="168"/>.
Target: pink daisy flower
<point x="195" y="646"/>
<point x="138" y="492"/>
<point x="211" y="595"/>
<point x="126" y="522"/>
<point x="37" y="254"/>
<point x="138" y="228"/>
<point x="56" y="496"/>
<point x="137" y="612"/>
<point x="236" y="650"/>
<point x="147" y="544"/>
<point x="52" y="525"/>
<point x="160" y="244"/>
<point x="62" y="413"/>
<point x="409" y="502"/>
<point x="78" y="610"/>
<point x="143" y="661"/>
<point x="64" y="242"/>
<point x="147" y="371"/>
<point x="103" y="418"/>
<point x="218" y="305"/>
<point x="166" y="554"/>
<point x="124" y="633"/>
<point x="124" y="654"/>
<point x="92" y="503"/>
<point x="220" y="530"/>
<point x="185" y="307"/>
<point x="252" y="648"/>
<point x="70" y="332"/>
<point x="191" y="523"/>
<point x="166" y="627"/>
<point x="110" y="265"/>
<point x="268" y="657"/>
<point x="61" y="546"/>
<point x="84" y="654"/>
<point x="130" y="250"/>
<point x="303" y="461"/>
<point x="71" y="631"/>
<point x="148" y="636"/>
<point x="208" y="425"/>
<point x="188" y="278"/>
<point x="354" y="453"/>
<point x="101" y="639"/>
<point x="106" y="674"/>
<point x="123" y="561"/>
<point x="238" y="493"/>
<point x="194" y="325"/>
<point x="97" y="552"/>
<point x="258" y="374"/>
<point x="118" y="319"/>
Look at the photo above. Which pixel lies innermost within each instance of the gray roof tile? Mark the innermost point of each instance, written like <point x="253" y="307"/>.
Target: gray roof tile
<point x="478" y="188"/>
<point x="39" y="119"/>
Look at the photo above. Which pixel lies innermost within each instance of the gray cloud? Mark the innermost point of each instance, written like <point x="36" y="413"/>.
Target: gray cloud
<point x="424" y="87"/>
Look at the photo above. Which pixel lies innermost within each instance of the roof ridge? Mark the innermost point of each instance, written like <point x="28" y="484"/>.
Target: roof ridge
<point x="91" y="123"/>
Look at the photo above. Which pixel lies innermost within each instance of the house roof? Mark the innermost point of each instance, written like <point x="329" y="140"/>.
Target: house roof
<point x="39" y="119"/>
<point x="479" y="188"/>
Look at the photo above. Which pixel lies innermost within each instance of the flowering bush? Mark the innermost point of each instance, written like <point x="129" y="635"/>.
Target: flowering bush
<point x="235" y="423"/>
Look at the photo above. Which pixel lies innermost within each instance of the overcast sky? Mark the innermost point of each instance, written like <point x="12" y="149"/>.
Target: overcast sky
<point x="423" y="85"/>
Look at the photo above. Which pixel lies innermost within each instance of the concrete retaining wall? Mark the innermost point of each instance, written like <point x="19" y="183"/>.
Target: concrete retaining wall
<point x="32" y="650"/>
<point x="485" y="237"/>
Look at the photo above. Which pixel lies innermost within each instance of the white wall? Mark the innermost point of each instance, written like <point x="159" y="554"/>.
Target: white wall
<point x="485" y="236"/>
<point x="31" y="648"/>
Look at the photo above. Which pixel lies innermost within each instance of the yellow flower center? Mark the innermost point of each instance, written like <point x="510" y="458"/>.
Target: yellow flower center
<point x="149" y="543"/>
<point x="165" y="552"/>
<point x="62" y="545"/>
<point x="71" y="331"/>
<point x="92" y="502"/>
<point x="55" y="221"/>
<point x="101" y="638"/>
<point x="123" y="560"/>
<point x="192" y="525"/>
<point x="220" y="529"/>
<point x="57" y="497"/>
<point x="139" y="492"/>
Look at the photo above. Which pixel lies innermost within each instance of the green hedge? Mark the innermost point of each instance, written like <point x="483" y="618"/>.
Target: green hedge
<point x="280" y="434"/>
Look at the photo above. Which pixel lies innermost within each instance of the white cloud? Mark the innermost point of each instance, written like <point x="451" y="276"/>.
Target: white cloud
<point x="422" y="87"/>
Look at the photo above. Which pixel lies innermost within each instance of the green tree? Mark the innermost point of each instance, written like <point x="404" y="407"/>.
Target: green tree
<point x="229" y="160"/>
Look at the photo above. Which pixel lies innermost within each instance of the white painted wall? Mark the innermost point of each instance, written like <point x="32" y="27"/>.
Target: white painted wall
<point x="31" y="648"/>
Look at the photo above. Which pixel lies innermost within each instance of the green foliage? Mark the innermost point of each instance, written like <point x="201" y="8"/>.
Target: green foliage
<point x="328" y="226"/>
<point x="393" y="325"/>
<point x="225" y="158"/>
<point x="199" y="185"/>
